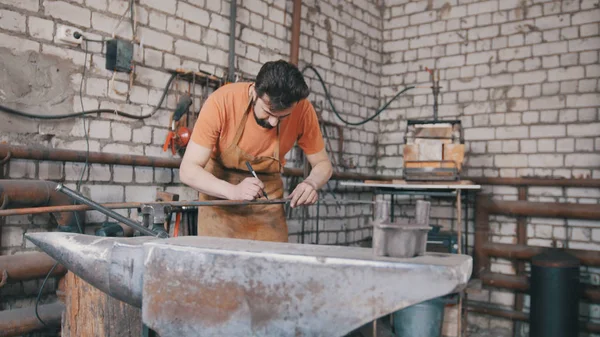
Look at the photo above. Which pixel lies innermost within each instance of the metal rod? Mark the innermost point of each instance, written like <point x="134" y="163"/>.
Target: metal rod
<point x="106" y="211"/>
<point x="232" y="22"/>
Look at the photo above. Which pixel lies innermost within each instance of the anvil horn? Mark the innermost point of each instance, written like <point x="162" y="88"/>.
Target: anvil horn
<point x="113" y="265"/>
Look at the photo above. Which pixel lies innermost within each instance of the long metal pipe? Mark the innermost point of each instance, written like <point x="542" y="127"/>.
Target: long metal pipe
<point x="544" y="209"/>
<point x="131" y="223"/>
<point x="130" y="205"/>
<point x="554" y="182"/>
<point x="295" y="42"/>
<point x="524" y="252"/>
<point x="484" y="308"/>
<point x="43" y="153"/>
<point x="29" y="266"/>
<point x="18" y="322"/>
<point x="521" y="283"/>
<point x="50" y="154"/>
<point x="232" y="22"/>
<point x="16" y="193"/>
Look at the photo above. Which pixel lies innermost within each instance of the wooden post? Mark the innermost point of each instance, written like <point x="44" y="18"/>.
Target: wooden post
<point x="90" y="312"/>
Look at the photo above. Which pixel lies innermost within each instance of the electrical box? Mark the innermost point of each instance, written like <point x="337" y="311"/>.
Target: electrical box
<point x="119" y="55"/>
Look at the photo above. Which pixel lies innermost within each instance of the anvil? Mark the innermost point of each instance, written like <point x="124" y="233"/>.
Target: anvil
<point x="206" y="286"/>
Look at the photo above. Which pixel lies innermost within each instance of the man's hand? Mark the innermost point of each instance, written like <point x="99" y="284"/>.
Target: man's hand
<point x="248" y="189"/>
<point x="304" y="194"/>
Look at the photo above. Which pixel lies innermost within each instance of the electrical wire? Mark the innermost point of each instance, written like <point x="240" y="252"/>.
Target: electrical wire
<point x="78" y="185"/>
<point x="94" y="111"/>
<point x="328" y="97"/>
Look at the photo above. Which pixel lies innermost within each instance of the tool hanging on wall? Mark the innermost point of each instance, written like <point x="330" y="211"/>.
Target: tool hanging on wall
<point x="178" y="136"/>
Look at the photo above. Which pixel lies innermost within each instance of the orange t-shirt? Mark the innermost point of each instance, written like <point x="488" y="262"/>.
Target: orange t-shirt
<point x="223" y="111"/>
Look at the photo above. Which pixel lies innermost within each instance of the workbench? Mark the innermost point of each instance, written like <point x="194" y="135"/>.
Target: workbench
<point x="461" y="190"/>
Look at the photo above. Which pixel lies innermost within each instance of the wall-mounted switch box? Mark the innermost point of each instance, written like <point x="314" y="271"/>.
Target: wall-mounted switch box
<point x="119" y="55"/>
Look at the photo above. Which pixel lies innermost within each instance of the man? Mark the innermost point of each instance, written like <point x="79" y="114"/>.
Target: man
<point x="258" y="123"/>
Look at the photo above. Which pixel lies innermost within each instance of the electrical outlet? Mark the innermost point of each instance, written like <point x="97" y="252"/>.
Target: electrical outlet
<point x="65" y="34"/>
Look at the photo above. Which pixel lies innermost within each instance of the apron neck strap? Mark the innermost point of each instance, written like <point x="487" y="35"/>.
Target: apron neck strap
<point x="240" y="129"/>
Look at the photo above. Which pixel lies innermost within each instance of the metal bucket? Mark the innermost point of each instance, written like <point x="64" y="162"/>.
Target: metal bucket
<point x="424" y="319"/>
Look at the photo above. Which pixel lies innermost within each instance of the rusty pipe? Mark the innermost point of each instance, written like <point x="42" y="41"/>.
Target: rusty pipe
<point x="42" y="153"/>
<point x="532" y="181"/>
<point x="49" y="154"/>
<point x="32" y="193"/>
<point x="487" y="309"/>
<point x="130" y="205"/>
<point x="295" y="42"/>
<point x="28" y="266"/>
<point x="524" y="252"/>
<point x="521" y="283"/>
<point x="18" y="322"/>
<point x="544" y="209"/>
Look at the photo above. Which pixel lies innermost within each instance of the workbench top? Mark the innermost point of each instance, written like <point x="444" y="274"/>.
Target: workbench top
<point x="416" y="185"/>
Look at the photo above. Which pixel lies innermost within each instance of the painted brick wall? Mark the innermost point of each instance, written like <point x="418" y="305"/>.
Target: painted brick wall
<point x="522" y="76"/>
<point x="342" y="39"/>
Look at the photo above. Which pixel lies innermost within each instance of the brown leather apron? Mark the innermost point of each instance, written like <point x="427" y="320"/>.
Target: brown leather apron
<point x="251" y="222"/>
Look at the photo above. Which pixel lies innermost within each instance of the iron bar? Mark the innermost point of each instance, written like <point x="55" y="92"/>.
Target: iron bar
<point x="484" y="308"/>
<point x="19" y="322"/>
<point x="521" y="283"/>
<point x="30" y="266"/>
<point x="106" y="211"/>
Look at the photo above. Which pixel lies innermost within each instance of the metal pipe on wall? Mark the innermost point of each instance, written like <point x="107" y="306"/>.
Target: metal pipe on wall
<point x="296" y="21"/>
<point x="30" y="266"/>
<point x="232" y="22"/>
<point x="524" y="252"/>
<point x="521" y="283"/>
<point x="18" y="322"/>
<point x="484" y="308"/>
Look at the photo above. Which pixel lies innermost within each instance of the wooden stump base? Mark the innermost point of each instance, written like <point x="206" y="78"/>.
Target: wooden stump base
<point x="90" y="312"/>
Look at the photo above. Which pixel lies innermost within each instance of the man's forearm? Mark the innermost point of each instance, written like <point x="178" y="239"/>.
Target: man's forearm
<point x="203" y="181"/>
<point x="320" y="174"/>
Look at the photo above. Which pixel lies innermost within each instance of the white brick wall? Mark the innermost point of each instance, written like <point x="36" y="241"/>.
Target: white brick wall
<point x="522" y="77"/>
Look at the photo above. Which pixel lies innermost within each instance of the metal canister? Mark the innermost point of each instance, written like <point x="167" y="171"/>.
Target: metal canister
<point x="555" y="292"/>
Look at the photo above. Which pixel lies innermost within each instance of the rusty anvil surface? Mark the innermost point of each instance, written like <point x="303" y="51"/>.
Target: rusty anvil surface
<point x="204" y="286"/>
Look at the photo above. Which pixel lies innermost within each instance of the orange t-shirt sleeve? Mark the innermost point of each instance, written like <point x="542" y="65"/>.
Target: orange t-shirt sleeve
<point x="311" y="139"/>
<point x="209" y="123"/>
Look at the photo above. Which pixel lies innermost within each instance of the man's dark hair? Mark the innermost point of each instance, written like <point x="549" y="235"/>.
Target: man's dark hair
<point x="282" y="82"/>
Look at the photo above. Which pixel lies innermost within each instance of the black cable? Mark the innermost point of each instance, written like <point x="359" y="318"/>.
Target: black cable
<point x="95" y="111"/>
<point x="86" y="165"/>
<point x="132" y="19"/>
<point x="377" y="113"/>
<point x="37" y="300"/>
